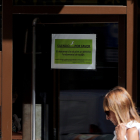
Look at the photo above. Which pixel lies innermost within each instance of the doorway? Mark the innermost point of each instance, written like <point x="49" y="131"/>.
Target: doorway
<point x="72" y="98"/>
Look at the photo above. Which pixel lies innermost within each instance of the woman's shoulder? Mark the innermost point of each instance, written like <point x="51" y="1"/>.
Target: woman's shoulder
<point x="132" y="133"/>
<point x="133" y="130"/>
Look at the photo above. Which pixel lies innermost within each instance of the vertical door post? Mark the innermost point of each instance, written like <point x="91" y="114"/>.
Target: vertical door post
<point x="130" y="43"/>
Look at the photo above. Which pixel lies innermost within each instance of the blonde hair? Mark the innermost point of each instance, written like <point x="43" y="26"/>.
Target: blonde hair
<point x="120" y="102"/>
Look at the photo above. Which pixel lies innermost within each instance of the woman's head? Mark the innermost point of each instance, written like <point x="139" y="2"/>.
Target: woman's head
<point x="119" y="102"/>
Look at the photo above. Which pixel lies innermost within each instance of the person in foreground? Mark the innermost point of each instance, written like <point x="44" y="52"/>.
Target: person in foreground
<point x="121" y="111"/>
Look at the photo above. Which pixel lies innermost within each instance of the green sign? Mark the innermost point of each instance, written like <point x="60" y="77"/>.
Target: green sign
<point x="73" y="51"/>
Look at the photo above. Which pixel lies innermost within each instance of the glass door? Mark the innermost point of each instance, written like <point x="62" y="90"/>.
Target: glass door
<point x="68" y="101"/>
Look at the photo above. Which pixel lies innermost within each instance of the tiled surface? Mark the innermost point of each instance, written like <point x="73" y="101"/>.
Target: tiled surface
<point x="27" y="122"/>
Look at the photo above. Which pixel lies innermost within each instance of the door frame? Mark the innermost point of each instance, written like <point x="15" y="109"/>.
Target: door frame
<point x="7" y="45"/>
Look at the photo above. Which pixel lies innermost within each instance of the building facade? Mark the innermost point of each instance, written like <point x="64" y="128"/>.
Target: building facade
<point x="54" y="103"/>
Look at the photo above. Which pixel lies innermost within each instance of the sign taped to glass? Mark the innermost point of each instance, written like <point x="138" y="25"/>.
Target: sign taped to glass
<point x="73" y="51"/>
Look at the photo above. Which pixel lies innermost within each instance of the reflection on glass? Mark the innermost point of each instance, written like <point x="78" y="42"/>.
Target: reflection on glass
<point x="69" y="2"/>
